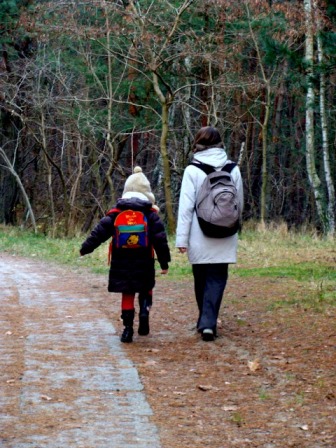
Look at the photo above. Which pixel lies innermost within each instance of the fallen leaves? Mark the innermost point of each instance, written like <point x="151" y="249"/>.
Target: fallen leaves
<point x="254" y="365"/>
<point x="256" y="399"/>
<point x="206" y="387"/>
<point x="229" y="408"/>
<point x="148" y="363"/>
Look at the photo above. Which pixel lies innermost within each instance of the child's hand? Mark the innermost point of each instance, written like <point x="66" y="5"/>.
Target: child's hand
<point x="164" y="271"/>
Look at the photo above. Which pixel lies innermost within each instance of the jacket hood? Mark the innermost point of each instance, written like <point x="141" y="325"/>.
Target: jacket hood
<point x="134" y="203"/>
<point x="215" y="157"/>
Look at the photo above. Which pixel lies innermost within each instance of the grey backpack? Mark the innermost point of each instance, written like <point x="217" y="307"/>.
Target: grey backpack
<point x="217" y="205"/>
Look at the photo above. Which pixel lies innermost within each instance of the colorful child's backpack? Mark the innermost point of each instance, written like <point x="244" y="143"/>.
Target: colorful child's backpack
<point x="131" y="230"/>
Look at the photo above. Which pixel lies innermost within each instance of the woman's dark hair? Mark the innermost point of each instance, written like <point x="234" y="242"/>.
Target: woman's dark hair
<point x="207" y="136"/>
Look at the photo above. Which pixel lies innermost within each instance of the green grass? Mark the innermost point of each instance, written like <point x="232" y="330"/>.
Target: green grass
<point x="306" y="303"/>
<point x="263" y="394"/>
<point x="301" y="272"/>
<point x="237" y="418"/>
<point x="66" y="251"/>
<point x="60" y="250"/>
<point x="272" y="253"/>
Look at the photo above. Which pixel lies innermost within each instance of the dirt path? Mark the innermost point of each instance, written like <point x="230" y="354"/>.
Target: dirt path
<point x="267" y="381"/>
<point x="66" y="381"/>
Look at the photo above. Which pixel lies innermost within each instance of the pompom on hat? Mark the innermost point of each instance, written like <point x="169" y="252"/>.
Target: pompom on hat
<point x="137" y="186"/>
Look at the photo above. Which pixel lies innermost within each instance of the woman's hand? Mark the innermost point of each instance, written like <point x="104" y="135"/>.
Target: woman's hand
<point x="182" y="250"/>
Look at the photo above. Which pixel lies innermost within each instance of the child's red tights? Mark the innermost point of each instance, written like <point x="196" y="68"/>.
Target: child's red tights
<point x="127" y="300"/>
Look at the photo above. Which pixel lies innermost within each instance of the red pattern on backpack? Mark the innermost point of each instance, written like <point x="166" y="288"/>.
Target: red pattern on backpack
<point x="131" y="230"/>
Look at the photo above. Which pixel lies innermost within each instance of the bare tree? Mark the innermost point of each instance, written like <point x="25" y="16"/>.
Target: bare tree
<point x="10" y="166"/>
<point x="154" y="61"/>
<point x="266" y="80"/>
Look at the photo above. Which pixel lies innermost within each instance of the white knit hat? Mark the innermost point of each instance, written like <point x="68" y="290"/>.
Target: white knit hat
<point x="137" y="185"/>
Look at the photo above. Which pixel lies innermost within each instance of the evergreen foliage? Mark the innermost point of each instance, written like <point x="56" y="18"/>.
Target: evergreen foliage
<point x="80" y="107"/>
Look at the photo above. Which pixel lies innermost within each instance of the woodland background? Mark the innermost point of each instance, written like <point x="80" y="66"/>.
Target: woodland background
<point x="89" y="89"/>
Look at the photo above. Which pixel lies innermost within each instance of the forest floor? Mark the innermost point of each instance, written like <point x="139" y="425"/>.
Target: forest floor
<point x="267" y="381"/>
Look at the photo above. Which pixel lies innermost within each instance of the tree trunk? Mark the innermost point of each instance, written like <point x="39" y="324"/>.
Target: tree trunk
<point x="264" y="122"/>
<point x="264" y="129"/>
<point x="49" y="177"/>
<point x="110" y="144"/>
<point x="165" y="104"/>
<point x="313" y="177"/>
<point x="330" y="215"/>
<point x="10" y="167"/>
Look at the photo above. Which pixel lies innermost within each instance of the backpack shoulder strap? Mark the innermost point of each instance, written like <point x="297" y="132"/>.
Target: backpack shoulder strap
<point x="204" y="167"/>
<point x="113" y="210"/>
<point x="229" y="167"/>
<point x="109" y="254"/>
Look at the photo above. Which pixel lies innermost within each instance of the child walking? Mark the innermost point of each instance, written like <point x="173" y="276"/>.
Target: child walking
<point x="132" y="268"/>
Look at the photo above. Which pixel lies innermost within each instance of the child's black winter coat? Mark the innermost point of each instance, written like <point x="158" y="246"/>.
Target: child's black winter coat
<point x="131" y="270"/>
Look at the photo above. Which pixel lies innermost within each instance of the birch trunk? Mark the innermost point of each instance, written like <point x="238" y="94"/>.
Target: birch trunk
<point x="330" y="215"/>
<point x="313" y="177"/>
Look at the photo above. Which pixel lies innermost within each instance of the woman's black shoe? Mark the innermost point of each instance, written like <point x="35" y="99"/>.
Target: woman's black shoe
<point x="208" y="334"/>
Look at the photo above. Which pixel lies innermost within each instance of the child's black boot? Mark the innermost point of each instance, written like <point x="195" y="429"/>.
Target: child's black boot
<point x="144" y="305"/>
<point x="127" y="317"/>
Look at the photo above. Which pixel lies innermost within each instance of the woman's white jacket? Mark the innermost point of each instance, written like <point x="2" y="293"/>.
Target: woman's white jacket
<point x="202" y="249"/>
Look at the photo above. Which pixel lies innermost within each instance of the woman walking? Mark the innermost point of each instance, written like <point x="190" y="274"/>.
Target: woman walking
<point x="208" y="256"/>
